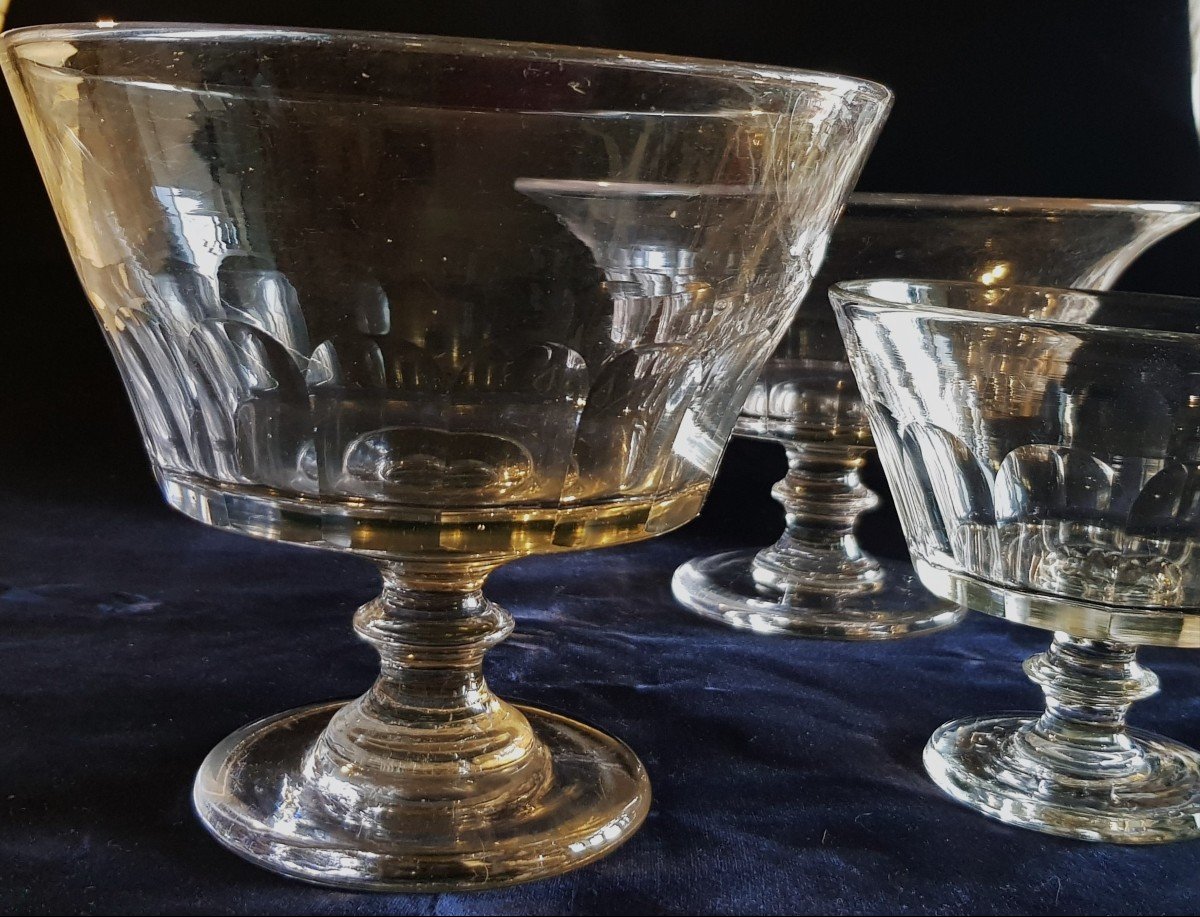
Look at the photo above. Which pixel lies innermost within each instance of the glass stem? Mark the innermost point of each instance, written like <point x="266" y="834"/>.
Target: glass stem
<point x="429" y="731"/>
<point x="822" y="495"/>
<point x="1090" y="686"/>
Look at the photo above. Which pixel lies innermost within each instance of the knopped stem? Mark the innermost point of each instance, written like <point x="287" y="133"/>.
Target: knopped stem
<point x="822" y="496"/>
<point x="430" y="732"/>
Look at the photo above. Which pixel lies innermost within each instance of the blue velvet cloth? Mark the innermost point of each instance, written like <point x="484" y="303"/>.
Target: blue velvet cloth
<point x="787" y="774"/>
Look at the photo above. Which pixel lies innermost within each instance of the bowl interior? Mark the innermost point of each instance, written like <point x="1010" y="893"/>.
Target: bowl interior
<point x="973" y="302"/>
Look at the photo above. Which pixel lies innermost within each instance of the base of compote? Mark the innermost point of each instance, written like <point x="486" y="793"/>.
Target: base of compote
<point x="979" y="762"/>
<point x="256" y="794"/>
<point x="722" y="587"/>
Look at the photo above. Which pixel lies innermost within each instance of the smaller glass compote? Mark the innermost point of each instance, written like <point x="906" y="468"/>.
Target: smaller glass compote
<point x="1044" y="449"/>
<point x="816" y="581"/>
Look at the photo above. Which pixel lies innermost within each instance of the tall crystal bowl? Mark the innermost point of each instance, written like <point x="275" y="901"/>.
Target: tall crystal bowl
<point x="1044" y="449"/>
<point x="356" y="308"/>
<point x="816" y="581"/>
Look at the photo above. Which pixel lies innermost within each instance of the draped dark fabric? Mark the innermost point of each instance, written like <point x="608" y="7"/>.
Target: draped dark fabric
<point x="787" y="773"/>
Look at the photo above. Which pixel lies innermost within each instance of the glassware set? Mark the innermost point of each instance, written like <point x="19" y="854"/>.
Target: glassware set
<point x="815" y="581"/>
<point x="444" y="303"/>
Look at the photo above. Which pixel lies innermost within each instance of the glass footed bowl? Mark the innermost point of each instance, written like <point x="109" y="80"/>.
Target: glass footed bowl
<point x="441" y="303"/>
<point x="1044" y="449"/>
<point x="816" y="581"/>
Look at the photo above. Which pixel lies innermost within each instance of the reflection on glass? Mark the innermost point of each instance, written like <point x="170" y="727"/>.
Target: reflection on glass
<point x="1194" y="28"/>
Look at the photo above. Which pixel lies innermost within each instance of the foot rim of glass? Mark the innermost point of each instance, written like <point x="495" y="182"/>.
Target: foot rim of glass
<point x="720" y="587"/>
<point x="971" y="760"/>
<point x="253" y="797"/>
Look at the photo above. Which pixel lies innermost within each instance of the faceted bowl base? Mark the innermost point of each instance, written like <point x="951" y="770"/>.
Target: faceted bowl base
<point x="721" y="587"/>
<point x="974" y="761"/>
<point x="253" y="797"/>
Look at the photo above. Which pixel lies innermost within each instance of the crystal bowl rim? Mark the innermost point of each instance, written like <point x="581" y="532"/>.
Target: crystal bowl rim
<point x="479" y="47"/>
<point x="855" y="291"/>
<point x="1016" y="202"/>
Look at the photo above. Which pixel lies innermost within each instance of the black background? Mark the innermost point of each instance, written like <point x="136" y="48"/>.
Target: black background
<point x="135" y="639"/>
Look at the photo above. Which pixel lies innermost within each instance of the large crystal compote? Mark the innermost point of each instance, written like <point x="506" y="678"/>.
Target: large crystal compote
<point x="816" y="581"/>
<point x="1044" y="449"/>
<point x="355" y="310"/>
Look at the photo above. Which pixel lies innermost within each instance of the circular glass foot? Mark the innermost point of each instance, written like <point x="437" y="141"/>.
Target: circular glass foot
<point x="722" y="587"/>
<point x="979" y="763"/>
<point x="253" y="794"/>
